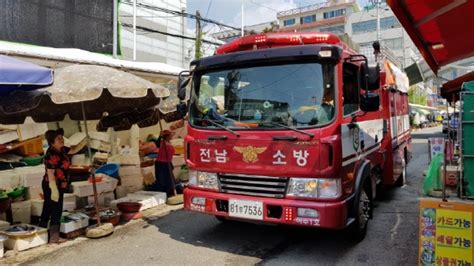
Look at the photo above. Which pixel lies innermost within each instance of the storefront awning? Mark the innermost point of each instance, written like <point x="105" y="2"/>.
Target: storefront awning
<point x="450" y="90"/>
<point x="442" y="30"/>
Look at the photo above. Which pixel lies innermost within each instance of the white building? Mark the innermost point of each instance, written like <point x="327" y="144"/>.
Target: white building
<point x="158" y="46"/>
<point x="362" y="27"/>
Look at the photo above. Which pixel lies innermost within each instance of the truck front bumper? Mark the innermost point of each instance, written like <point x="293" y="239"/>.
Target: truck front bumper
<point x="332" y="215"/>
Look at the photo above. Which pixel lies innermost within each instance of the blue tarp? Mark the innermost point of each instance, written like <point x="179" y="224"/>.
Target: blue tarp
<point x="20" y="75"/>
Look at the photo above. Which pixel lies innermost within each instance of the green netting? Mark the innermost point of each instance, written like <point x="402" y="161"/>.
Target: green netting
<point x="432" y="179"/>
<point x="468" y="86"/>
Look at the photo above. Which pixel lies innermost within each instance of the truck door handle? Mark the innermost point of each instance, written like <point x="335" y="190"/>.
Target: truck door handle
<point x="217" y="137"/>
<point x="288" y="138"/>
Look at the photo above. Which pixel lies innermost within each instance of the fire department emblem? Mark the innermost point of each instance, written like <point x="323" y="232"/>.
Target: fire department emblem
<point x="356" y="138"/>
<point x="250" y="153"/>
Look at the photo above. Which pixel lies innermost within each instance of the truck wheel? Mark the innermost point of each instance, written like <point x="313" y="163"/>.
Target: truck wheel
<point x="402" y="178"/>
<point x="358" y="229"/>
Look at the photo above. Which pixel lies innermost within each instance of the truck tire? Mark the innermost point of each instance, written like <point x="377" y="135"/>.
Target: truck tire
<point x="358" y="229"/>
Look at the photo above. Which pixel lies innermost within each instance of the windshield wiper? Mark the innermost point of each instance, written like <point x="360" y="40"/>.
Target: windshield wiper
<point x="311" y="135"/>
<point x="221" y="126"/>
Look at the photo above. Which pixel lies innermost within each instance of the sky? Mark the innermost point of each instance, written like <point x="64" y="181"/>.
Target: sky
<point x="255" y="11"/>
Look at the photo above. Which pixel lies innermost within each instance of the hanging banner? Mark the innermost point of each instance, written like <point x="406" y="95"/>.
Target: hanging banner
<point x="446" y="234"/>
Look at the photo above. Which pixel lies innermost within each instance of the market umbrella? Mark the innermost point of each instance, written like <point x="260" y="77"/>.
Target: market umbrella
<point x="19" y="75"/>
<point x="167" y="110"/>
<point x="83" y="92"/>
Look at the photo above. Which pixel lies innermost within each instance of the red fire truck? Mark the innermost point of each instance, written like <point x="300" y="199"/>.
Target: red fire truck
<point x="293" y="128"/>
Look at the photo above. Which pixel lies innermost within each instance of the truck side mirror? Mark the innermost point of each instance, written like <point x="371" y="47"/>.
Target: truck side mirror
<point x="369" y="102"/>
<point x="372" y="74"/>
<point x="183" y="80"/>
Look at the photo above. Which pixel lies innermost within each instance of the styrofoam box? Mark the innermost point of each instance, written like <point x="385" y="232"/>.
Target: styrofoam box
<point x="131" y="180"/>
<point x="122" y="159"/>
<point x="129" y="170"/>
<point x="83" y="221"/>
<point x="105" y="137"/>
<point x="4" y="225"/>
<point x="8" y="136"/>
<point x="31" y="176"/>
<point x="34" y="240"/>
<point x="9" y="179"/>
<point x="1" y="249"/>
<point x="84" y="188"/>
<point x="34" y="192"/>
<point x="100" y="145"/>
<point x="157" y="197"/>
<point x="149" y="169"/>
<point x="132" y="189"/>
<point x="30" y="129"/>
<point x="21" y="211"/>
<point x="104" y="198"/>
<point x="178" y="160"/>
<point x="37" y="206"/>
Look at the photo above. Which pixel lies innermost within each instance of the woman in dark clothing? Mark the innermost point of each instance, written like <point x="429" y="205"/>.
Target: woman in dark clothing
<point x="54" y="183"/>
<point x="163" y="164"/>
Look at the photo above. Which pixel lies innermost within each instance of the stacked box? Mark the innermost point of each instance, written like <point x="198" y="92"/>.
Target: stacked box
<point x="9" y="179"/>
<point x="104" y="198"/>
<point x="21" y="211"/>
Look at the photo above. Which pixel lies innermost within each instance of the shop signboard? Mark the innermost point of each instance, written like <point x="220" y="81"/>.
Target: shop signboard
<point x="445" y="236"/>
<point x="436" y="146"/>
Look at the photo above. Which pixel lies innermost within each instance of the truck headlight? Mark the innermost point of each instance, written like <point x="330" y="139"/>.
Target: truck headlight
<point x="203" y="180"/>
<point x="324" y="188"/>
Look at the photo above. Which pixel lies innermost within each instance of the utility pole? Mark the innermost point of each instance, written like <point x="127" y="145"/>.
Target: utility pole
<point x="378" y="19"/>
<point x="198" y="43"/>
<point x="134" y="30"/>
<point x="183" y="43"/>
<point x="242" y="21"/>
<point x="115" y="30"/>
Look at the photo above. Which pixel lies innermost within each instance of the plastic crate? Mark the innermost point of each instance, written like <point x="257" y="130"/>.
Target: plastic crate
<point x="30" y="147"/>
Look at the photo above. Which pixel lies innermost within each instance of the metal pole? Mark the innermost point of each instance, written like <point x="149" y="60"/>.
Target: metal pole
<point x="242" y="21"/>
<point x="134" y="30"/>
<point x="94" y="186"/>
<point x="378" y="21"/>
<point x="115" y="29"/>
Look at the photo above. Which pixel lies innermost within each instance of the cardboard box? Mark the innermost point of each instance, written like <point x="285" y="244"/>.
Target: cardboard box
<point x="21" y="211"/>
<point x="23" y="242"/>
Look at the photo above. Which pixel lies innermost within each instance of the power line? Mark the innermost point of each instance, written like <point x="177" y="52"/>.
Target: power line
<point x="179" y="13"/>
<point x="168" y="34"/>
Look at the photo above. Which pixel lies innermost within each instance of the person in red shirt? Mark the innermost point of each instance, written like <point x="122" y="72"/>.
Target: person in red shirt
<point x="164" y="164"/>
<point x="55" y="183"/>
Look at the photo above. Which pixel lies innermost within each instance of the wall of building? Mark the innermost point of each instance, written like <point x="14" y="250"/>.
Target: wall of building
<point x="361" y="26"/>
<point x="155" y="47"/>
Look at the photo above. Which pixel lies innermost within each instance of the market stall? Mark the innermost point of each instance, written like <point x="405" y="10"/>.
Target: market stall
<point x="80" y="92"/>
<point x="446" y="212"/>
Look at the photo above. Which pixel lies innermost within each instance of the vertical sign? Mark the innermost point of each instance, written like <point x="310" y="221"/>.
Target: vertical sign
<point x="436" y="146"/>
<point x="445" y="233"/>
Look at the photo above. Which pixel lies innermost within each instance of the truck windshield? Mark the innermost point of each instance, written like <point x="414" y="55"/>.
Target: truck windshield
<point x="291" y="95"/>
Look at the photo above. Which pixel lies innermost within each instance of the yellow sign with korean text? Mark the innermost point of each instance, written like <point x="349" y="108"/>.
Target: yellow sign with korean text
<point x="445" y="232"/>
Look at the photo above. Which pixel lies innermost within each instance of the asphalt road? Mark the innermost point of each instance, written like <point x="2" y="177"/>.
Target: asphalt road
<point x="195" y="239"/>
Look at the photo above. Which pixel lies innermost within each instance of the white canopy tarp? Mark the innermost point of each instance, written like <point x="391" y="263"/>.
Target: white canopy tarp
<point x="78" y="56"/>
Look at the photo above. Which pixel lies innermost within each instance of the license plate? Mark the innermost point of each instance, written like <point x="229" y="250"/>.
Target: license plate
<point x="246" y="209"/>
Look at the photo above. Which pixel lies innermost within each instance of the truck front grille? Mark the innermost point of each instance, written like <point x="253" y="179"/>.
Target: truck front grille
<point x="262" y="186"/>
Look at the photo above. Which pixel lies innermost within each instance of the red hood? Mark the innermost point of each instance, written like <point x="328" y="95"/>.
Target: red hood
<point x="256" y="153"/>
